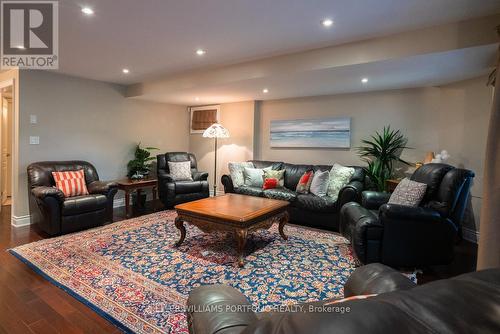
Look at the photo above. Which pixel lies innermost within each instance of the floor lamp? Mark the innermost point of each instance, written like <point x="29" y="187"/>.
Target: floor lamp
<point x="215" y="131"/>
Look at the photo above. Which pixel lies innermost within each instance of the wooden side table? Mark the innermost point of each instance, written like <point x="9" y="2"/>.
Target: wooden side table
<point x="391" y="184"/>
<point x="129" y="186"/>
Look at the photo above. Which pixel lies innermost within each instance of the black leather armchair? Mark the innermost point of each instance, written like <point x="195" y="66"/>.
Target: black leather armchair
<point x="464" y="304"/>
<point x="56" y="214"/>
<point x="402" y="236"/>
<point x="176" y="192"/>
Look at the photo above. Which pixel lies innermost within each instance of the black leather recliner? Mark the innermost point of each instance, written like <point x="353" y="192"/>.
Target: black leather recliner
<point x="402" y="236"/>
<point x="176" y="192"/>
<point x="56" y="214"/>
<point x="467" y="303"/>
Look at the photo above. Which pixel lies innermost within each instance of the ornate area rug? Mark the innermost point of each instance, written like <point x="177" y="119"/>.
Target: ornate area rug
<point x="130" y="273"/>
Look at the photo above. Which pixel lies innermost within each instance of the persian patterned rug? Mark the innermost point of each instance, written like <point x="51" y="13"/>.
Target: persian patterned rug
<point x="130" y="272"/>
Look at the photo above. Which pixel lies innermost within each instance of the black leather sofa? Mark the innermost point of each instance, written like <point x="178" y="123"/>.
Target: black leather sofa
<point x="464" y="304"/>
<point x="305" y="209"/>
<point x="56" y="214"/>
<point x="402" y="236"/>
<point x="173" y="192"/>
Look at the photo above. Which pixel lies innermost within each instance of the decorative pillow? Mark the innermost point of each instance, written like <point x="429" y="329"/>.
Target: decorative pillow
<point x="180" y="171"/>
<point x="408" y="192"/>
<point x="236" y="170"/>
<point x="254" y="176"/>
<point x="270" y="183"/>
<point x="279" y="175"/>
<point x="304" y="183"/>
<point x="339" y="177"/>
<point x="71" y="183"/>
<point x="319" y="183"/>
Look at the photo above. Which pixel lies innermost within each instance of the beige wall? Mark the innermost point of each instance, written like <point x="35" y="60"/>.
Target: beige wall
<point x="90" y="120"/>
<point x="238" y="118"/>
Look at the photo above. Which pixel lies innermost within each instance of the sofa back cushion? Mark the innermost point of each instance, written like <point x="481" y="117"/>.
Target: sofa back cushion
<point x="293" y="173"/>
<point x="276" y="165"/>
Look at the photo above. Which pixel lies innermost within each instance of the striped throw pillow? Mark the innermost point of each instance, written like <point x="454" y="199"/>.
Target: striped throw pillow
<point x="71" y="183"/>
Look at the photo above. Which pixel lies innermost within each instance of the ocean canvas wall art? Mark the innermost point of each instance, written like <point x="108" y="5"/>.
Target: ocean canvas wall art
<point x="325" y="132"/>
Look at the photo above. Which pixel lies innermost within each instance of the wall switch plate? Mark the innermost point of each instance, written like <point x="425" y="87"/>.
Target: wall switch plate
<point x="34" y="140"/>
<point x="33" y="119"/>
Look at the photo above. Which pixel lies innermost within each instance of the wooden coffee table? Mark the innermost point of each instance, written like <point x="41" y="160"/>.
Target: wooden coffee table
<point x="238" y="214"/>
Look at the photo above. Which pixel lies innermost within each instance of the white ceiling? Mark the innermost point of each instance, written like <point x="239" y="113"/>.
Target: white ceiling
<point x="159" y="37"/>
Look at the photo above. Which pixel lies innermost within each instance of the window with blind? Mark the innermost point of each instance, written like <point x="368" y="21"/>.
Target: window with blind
<point x="203" y="117"/>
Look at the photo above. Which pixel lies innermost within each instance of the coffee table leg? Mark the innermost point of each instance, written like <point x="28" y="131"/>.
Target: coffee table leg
<point x="179" y="223"/>
<point x="283" y="222"/>
<point x="241" y="239"/>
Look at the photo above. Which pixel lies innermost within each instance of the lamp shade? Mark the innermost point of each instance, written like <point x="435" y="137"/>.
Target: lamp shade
<point x="216" y="130"/>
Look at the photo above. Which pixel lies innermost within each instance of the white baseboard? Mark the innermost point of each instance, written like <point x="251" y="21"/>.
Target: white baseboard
<point x="470" y="235"/>
<point x="19" y="221"/>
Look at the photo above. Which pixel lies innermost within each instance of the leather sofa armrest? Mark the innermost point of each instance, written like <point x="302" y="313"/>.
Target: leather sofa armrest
<point x="375" y="278"/>
<point x="101" y="187"/>
<point x="200" y="176"/>
<point x="218" y="309"/>
<point x="164" y="176"/>
<point x="227" y="182"/>
<point x="372" y="200"/>
<point x="350" y="193"/>
<point x="407" y="213"/>
<point x="42" y="192"/>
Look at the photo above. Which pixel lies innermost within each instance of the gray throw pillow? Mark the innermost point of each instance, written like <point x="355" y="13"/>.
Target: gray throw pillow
<point x="408" y="192"/>
<point x="180" y="171"/>
<point x="254" y="177"/>
<point x="236" y="170"/>
<point x="319" y="184"/>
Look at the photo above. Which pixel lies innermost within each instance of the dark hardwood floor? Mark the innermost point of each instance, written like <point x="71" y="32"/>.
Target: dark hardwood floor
<point x="30" y="304"/>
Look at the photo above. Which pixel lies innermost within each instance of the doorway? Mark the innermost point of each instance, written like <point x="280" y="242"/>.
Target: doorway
<point x="6" y="138"/>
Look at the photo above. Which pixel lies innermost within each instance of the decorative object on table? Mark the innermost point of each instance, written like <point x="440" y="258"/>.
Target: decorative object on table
<point x="441" y="157"/>
<point x="408" y="193"/>
<point x="327" y="132"/>
<point x="428" y="157"/>
<point x="140" y="166"/>
<point x="381" y="151"/>
<point x="131" y="186"/>
<point x="216" y="131"/>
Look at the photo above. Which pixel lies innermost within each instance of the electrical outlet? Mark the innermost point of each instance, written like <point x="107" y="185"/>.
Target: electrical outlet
<point x="33" y="119"/>
<point x="34" y="140"/>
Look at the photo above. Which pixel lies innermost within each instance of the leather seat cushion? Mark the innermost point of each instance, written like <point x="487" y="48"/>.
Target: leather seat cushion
<point x="280" y="193"/>
<point x="251" y="191"/>
<point x="81" y="204"/>
<point x="188" y="187"/>
<point x="312" y="202"/>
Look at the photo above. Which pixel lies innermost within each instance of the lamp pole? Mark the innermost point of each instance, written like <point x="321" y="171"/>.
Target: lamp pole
<point x="215" y="169"/>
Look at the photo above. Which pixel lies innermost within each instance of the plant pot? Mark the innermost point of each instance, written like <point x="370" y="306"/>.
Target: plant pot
<point x="139" y="202"/>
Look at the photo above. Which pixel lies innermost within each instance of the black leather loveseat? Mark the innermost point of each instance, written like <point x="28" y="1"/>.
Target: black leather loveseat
<point x="465" y="304"/>
<point x="56" y="214"/>
<point x="305" y="209"/>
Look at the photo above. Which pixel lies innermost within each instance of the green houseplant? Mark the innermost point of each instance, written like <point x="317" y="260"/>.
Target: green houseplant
<point x="140" y="166"/>
<point x="380" y="152"/>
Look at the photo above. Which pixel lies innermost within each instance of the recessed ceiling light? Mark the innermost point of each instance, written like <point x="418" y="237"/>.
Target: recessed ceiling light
<point x="265" y="91"/>
<point x="197" y="98"/>
<point x="327" y="22"/>
<point x="364" y="80"/>
<point x="126" y="71"/>
<point x="200" y="52"/>
<point x="87" y="11"/>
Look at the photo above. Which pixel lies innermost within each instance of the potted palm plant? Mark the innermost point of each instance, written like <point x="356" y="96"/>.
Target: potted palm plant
<point x="380" y="152"/>
<point x="140" y="166"/>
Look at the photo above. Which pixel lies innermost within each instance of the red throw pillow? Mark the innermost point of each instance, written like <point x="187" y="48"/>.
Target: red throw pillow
<point x="304" y="182"/>
<point x="270" y="183"/>
<point x="71" y="183"/>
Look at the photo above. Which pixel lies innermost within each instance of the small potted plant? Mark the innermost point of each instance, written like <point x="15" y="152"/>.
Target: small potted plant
<point x="140" y="166"/>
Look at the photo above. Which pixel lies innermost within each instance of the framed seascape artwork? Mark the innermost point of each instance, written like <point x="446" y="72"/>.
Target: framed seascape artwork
<point x="326" y="132"/>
